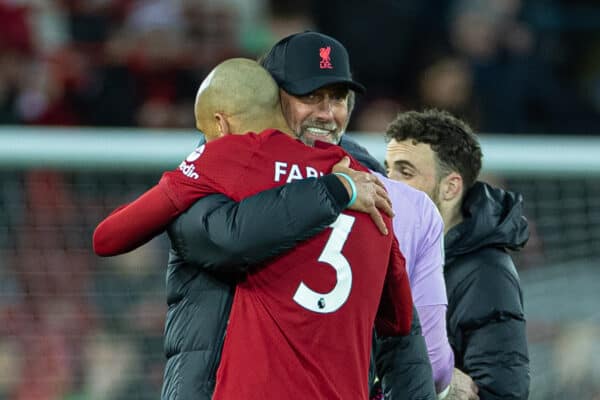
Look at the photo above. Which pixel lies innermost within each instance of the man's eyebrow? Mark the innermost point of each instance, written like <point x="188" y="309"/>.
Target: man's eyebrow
<point x="404" y="163"/>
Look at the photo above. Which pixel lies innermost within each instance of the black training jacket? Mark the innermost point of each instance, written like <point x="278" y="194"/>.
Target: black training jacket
<point x="215" y="241"/>
<point x="486" y="321"/>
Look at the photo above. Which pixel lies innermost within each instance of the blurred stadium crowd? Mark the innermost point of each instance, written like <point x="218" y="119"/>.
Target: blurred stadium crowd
<point x="138" y="62"/>
<point x="73" y="326"/>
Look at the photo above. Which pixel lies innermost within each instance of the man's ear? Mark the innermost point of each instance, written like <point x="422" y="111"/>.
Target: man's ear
<point x="452" y="186"/>
<point x="222" y="124"/>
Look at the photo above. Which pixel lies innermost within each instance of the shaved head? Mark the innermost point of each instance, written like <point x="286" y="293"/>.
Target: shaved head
<point x="244" y="93"/>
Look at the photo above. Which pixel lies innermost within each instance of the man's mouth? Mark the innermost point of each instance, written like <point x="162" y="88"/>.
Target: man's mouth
<point x="318" y="131"/>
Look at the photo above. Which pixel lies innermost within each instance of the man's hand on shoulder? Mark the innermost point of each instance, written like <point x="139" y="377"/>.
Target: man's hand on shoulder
<point x="371" y="196"/>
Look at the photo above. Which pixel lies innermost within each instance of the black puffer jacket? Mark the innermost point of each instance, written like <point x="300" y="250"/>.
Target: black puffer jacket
<point x="486" y="321"/>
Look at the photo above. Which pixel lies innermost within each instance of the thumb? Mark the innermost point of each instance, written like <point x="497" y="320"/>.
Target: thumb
<point x="344" y="162"/>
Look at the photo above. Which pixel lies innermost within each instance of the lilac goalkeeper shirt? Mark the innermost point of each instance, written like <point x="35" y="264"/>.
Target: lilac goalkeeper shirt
<point x="419" y="229"/>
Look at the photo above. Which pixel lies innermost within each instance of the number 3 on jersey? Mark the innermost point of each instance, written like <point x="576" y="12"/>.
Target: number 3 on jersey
<point x="325" y="303"/>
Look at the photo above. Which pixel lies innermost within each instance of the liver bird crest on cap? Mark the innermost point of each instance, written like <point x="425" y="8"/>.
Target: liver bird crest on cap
<point x="325" y="59"/>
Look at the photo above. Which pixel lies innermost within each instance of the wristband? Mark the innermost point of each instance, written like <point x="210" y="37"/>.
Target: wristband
<point x="352" y="186"/>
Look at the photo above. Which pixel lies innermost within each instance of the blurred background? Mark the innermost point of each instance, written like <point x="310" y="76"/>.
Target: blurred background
<point x="74" y="326"/>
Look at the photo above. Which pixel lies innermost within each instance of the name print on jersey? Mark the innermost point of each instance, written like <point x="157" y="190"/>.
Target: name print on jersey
<point x="291" y="172"/>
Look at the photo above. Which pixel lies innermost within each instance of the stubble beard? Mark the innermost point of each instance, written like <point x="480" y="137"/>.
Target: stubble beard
<point x="435" y="195"/>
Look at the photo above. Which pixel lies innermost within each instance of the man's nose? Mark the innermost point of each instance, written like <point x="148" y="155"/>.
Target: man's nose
<point x="325" y="109"/>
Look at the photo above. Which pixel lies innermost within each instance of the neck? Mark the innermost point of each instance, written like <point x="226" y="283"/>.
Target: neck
<point x="210" y="138"/>
<point x="259" y="125"/>
<point x="452" y="216"/>
<point x="281" y="125"/>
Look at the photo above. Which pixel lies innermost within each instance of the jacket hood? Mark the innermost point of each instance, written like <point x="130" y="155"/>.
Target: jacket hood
<point x="492" y="217"/>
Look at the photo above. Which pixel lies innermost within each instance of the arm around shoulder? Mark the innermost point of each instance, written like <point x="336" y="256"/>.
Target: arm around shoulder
<point x="219" y="233"/>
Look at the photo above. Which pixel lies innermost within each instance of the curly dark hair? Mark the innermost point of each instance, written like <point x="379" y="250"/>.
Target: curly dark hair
<point x="454" y="143"/>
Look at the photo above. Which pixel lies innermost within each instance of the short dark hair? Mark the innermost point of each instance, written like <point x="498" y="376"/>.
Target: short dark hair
<point x="454" y="143"/>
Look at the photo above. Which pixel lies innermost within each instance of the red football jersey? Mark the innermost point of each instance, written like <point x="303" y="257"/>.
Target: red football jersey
<point x="301" y="324"/>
